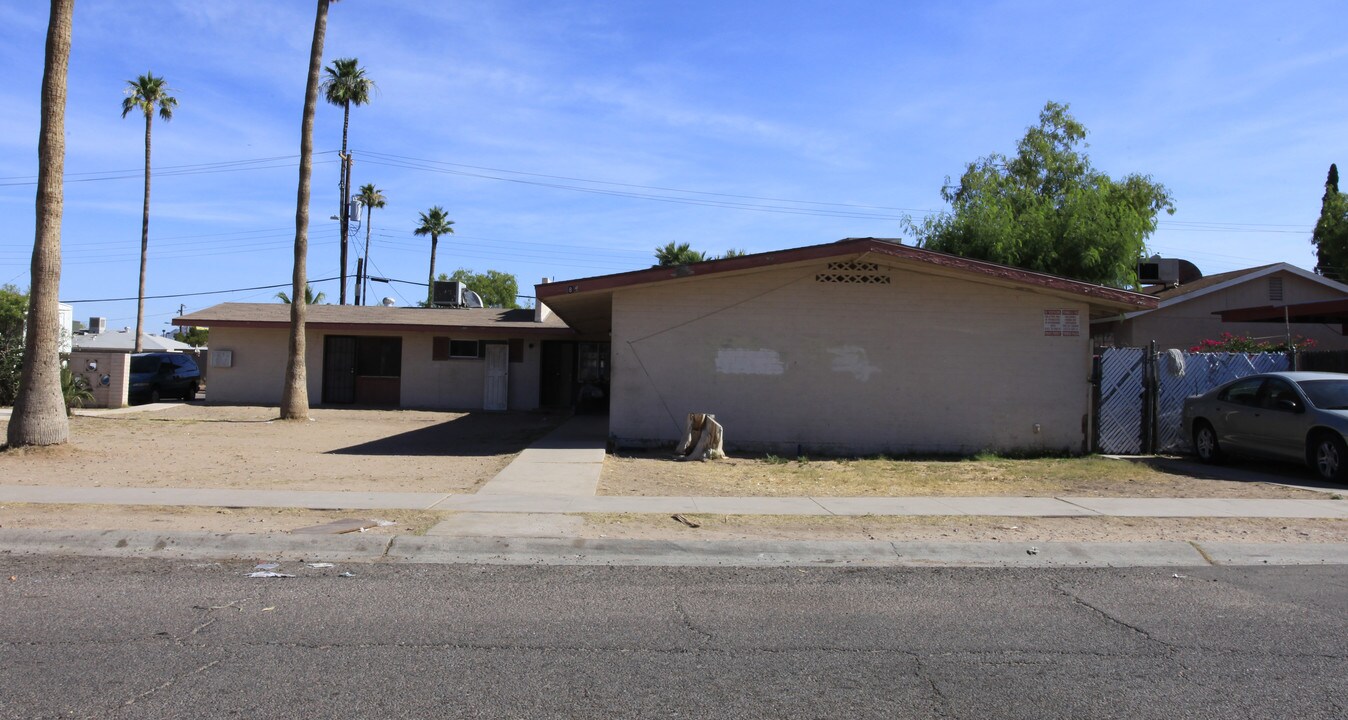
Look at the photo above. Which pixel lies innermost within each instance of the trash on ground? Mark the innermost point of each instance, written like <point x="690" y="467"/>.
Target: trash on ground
<point x="269" y="574"/>
<point x="1032" y="551"/>
<point x="266" y="566"/>
<point x="320" y="565"/>
<point x="337" y="527"/>
<point x="1177" y="575"/>
<point x="385" y="523"/>
<point x="268" y="609"/>
<point x="685" y="521"/>
<point x="348" y="573"/>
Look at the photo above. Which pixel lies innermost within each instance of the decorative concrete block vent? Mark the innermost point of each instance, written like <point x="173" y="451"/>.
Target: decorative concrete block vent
<point x="701" y="439"/>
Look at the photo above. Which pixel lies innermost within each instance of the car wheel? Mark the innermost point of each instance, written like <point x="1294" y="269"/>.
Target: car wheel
<point x="1205" y="443"/>
<point x="1329" y="455"/>
<point x="191" y="392"/>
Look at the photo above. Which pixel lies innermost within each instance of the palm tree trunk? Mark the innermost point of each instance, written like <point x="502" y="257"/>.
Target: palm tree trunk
<point x="344" y="213"/>
<point x="295" y="392"/>
<point x="39" y="416"/>
<point x="430" y="281"/>
<point x="144" y="235"/>
<point x="364" y="279"/>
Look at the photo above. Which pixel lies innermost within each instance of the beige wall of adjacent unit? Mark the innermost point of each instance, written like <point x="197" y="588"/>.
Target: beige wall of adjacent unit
<point x="257" y="366"/>
<point x="259" y="359"/>
<point x="923" y="364"/>
<point x="1185" y="324"/>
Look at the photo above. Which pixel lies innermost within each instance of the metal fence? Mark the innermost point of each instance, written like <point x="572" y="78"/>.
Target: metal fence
<point x="1140" y="393"/>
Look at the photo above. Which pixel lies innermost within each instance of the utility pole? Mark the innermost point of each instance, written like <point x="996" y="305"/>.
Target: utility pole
<point x="360" y="273"/>
<point x="345" y="218"/>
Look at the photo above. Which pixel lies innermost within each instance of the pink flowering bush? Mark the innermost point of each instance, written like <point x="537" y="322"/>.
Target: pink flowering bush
<point x="1229" y="343"/>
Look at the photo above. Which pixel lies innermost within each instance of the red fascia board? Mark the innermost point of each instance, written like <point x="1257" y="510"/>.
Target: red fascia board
<point x="843" y="248"/>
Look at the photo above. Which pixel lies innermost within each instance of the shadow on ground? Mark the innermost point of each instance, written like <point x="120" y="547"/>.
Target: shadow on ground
<point x="467" y="435"/>
<point x="1239" y="470"/>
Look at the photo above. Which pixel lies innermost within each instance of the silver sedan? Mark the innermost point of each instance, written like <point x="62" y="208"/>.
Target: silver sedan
<point x="1298" y="416"/>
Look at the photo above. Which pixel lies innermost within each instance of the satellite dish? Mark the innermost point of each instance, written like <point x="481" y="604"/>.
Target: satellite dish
<point x="388" y="302"/>
<point x="472" y="299"/>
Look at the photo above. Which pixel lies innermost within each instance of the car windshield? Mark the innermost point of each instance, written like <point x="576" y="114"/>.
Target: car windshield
<point x="1326" y="394"/>
<point x="144" y="364"/>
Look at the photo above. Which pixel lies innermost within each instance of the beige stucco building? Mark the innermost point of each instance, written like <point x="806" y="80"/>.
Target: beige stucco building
<point x="856" y="347"/>
<point x="433" y="358"/>
<point x="1187" y="314"/>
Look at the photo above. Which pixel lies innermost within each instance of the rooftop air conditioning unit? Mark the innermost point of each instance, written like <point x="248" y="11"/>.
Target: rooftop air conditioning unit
<point x="447" y="293"/>
<point x="1159" y="271"/>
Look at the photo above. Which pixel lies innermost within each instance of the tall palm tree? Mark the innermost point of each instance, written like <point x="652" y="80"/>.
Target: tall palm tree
<point x="369" y="198"/>
<point x="295" y="390"/>
<point x="677" y="254"/>
<point x="434" y="223"/>
<point x="310" y="297"/>
<point x="39" y="416"/>
<point x="145" y="93"/>
<point x="344" y="85"/>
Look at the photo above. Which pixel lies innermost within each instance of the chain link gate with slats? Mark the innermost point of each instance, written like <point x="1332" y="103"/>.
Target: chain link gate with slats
<point x="1128" y="392"/>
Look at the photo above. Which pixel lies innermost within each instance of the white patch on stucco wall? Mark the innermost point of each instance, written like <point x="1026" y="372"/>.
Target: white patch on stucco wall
<point x="731" y="361"/>
<point x="853" y="360"/>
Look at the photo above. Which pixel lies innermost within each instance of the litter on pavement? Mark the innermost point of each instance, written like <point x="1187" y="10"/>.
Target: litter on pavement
<point x="269" y="574"/>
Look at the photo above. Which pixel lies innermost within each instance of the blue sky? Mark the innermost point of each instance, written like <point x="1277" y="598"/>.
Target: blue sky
<point x="571" y="139"/>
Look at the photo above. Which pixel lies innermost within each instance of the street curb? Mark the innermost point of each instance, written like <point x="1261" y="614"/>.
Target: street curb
<point x="707" y="553"/>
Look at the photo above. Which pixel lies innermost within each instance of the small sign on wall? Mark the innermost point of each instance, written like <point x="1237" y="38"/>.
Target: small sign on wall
<point x="1062" y="323"/>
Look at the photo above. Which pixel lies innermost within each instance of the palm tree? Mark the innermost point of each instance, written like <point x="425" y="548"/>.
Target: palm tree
<point x="39" y="416"/>
<point x="145" y="93"/>
<point x="370" y="198"/>
<point x="295" y="391"/>
<point x="677" y="254"/>
<point x="309" y="297"/>
<point x="345" y="85"/>
<point x="434" y="223"/>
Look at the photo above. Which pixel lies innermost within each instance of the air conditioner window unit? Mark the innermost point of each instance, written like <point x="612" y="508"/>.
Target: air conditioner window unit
<point x="447" y="293"/>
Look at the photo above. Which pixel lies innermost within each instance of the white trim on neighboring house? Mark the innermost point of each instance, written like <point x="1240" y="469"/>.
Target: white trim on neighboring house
<point x="1262" y="272"/>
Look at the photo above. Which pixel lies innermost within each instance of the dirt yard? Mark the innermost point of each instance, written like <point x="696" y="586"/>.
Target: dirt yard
<point x="657" y="474"/>
<point x="199" y="446"/>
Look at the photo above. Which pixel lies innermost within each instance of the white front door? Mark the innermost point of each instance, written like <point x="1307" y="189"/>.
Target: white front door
<point x="496" y="394"/>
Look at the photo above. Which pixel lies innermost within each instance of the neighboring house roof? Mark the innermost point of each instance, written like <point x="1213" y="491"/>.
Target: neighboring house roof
<point x="1221" y="281"/>
<point x="354" y="318"/>
<point x="124" y="341"/>
<point x="586" y="303"/>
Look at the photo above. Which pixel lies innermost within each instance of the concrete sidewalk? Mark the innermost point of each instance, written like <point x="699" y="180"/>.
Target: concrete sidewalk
<point x="554" y="504"/>
<point x="542" y="490"/>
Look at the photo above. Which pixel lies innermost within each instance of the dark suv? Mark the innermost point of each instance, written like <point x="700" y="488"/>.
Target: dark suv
<point x="163" y="374"/>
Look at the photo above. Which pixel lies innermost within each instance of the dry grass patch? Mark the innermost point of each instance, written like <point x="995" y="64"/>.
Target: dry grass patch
<point x="158" y="518"/>
<point x="1091" y="476"/>
<point x="966" y="528"/>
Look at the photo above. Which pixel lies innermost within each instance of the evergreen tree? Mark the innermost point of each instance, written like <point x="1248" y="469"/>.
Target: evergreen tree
<point x="1330" y="236"/>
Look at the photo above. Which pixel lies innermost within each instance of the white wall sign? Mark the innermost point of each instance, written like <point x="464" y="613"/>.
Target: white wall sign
<point x="1062" y="323"/>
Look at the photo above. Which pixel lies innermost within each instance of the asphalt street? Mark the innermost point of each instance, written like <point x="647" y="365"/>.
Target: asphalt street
<point x="125" y="638"/>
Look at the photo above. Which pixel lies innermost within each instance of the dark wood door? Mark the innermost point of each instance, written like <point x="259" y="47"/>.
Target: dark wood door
<point x="339" y="369"/>
<point x="557" y="386"/>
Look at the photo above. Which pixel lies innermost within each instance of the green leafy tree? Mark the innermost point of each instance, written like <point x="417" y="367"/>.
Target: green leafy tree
<point x="1330" y="236"/>
<point x="678" y="254"/>
<point x="733" y="253"/>
<point x="498" y="289"/>
<point x="38" y="417"/>
<point x="370" y="197"/>
<point x="1047" y="209"/>
<point x="435" y="223"/>
<point x="295" y="389"/>
<point x="13" y="309"/>
<point x="195" y="336"/>
<point x="345" y="84"/>
<point x="146" y="93"/>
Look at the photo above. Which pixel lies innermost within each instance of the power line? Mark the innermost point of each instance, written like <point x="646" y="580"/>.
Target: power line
<point x="195" y="294"/>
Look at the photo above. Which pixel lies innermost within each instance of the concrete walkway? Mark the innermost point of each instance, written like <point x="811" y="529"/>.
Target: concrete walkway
<point x="527" y="515"/>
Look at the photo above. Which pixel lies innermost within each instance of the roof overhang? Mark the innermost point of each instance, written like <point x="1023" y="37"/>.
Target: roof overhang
<point x="1323" y="311"/>
<point x="586" y="304"/>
